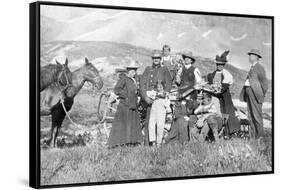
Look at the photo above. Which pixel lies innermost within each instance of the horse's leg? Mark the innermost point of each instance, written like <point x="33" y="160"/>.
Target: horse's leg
<point x="48" y="142"/>
<point x="55" y="134"/>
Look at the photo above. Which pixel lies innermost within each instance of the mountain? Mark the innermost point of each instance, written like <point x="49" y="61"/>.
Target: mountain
<point x="107" y="56"/>
<point x="204" y="35"/>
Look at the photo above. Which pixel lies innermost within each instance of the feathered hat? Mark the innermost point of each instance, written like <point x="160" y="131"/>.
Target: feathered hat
<point x="222" y="59"/>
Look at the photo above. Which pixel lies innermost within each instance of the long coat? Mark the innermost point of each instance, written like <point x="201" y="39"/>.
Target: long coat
<point x="226" y="104"/>
<point x="126" y="124"/>
<point x="258" y="83"/>
<point x="254" y="96"/>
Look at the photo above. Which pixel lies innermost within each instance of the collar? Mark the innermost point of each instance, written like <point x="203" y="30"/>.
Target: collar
<point x="253" y="64"/>
<point x="188" y="66"/>
<point x="168" y="57"/>
<point x="156" y="66"/>
<point x="133" y="79"/>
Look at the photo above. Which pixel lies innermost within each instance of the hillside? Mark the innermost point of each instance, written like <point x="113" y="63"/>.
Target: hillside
<point x="107" y="56"/>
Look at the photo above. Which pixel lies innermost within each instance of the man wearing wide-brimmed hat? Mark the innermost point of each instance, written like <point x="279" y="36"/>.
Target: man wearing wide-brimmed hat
<point x="254" y="91"/>
<point x="188" y="75"/>
<point x="152" y="74"/>
<point x="222" y="79"/>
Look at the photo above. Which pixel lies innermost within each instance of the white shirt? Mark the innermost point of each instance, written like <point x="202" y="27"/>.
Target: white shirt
<point x="197" y="74"/>
<point x="227" y="77"/>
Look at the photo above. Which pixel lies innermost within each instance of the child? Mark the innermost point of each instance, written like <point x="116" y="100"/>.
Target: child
<point x="207" y="120"/>
<point x="159" y="108"/>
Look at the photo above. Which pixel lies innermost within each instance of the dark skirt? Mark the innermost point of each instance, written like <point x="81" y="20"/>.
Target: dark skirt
<point x="126" y="128"/>
<point x="227" y="107"/>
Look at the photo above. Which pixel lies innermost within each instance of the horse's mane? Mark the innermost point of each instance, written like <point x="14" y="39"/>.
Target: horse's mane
<point x="52" y="66"/>
<point x="49" y="72"/>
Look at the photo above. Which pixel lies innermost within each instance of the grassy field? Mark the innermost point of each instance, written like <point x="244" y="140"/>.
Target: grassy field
<point x="96" y="163"/>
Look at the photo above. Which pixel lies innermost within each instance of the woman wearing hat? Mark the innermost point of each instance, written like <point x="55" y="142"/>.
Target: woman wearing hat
<point x="126" y="124"/>
<point x="222" y="80"/>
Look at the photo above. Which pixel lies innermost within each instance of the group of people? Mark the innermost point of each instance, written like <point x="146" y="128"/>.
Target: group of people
<point x="196" y="117"/>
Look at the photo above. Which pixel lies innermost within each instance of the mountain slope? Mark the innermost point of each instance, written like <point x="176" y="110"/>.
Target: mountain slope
<point x="107" y="56"/>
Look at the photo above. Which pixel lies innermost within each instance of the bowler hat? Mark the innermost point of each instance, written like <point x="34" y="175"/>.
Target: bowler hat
<point x="188" y="55"/>
<point x="156" y="54"/>
<point x="255" y="52"/>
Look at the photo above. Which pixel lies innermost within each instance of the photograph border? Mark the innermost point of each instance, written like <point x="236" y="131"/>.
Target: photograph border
<point x="34" y="92"/>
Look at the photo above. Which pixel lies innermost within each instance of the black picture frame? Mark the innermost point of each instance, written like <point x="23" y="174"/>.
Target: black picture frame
<point x="34" y="83"/>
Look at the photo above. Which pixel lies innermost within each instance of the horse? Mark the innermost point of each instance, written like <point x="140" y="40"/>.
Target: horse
<point x="54" y="105"/>
<point x="55" y="73"/>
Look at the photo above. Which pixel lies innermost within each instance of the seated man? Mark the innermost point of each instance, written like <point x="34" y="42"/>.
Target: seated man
<point x="208" y="120"/>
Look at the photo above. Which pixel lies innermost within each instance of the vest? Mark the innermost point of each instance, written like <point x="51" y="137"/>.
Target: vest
<point x="188" y="77"/>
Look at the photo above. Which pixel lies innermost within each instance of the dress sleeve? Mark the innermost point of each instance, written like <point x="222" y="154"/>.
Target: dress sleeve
<point x="143" y="82"/>
<point x="227" y="81"/>
<point x="120" y="88"/>
<point x="197" y="75"/>
<point x="263" y="81"/>
<point x="227" y="77"/>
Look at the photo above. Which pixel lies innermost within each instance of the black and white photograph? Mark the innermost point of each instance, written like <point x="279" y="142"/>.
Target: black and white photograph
<point x="138" y="94"/>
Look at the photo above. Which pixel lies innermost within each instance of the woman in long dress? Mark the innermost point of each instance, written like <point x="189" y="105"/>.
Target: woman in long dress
<point x="126" y="129"/>
<point x="221" y="77"/>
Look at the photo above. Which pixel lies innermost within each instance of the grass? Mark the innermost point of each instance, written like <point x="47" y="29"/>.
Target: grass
<point x="96" y="163"/>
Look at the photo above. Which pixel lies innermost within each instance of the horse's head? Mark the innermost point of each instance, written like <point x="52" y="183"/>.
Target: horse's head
<point x="65" y="75"/>
<point x="91" y="74"/>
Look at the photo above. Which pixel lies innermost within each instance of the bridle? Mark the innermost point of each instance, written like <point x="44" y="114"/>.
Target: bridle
<point x="94" y="79"/>
<point x="60" y="82"/>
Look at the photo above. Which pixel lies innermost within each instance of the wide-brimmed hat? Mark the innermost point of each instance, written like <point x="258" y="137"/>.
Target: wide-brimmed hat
<point x="132" y="65"/>
<point x="156" y="54"/>
<point x="255" y="52"/>
<point x="120" y="70"/>
<point x="189" y="55"/>
<point x="222" y="59"/>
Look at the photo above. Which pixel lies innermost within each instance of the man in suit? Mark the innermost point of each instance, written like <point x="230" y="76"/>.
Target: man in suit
<point x="254" y="91"/>
<point x="152" y="74"/>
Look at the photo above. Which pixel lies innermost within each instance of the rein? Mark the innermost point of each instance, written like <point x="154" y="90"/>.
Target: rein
<point x="68" y="116"/>
<point x="63" y="74"/>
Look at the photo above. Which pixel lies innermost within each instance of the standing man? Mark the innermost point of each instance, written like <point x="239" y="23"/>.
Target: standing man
<point x="254" y="91"/>
<point x="149" y="78"/>
<point x="188" y="75"/>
